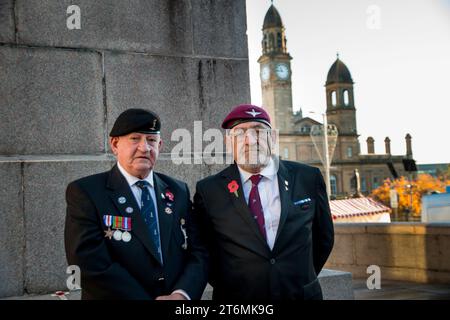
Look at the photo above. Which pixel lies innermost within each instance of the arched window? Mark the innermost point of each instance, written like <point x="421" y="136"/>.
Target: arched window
<point x="346" y="98"/>
<point x="271" y="41"/>
<point x="333" y="184"/>
<point x="333" y="98"/>
<point x="265" y="42"/>
<point x="279" y="40"/>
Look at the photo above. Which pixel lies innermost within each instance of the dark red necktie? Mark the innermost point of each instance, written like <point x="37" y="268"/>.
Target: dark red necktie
<point x="254" y="203"/>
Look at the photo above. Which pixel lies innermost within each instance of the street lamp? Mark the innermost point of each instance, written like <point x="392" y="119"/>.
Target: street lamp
<point x="326" y="156"/>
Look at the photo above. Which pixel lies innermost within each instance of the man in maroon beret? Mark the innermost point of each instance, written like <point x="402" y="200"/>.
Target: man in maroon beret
<point x="266" y="221"/>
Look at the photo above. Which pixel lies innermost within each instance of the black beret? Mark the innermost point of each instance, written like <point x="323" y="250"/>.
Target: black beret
<point x="136" y="120"/>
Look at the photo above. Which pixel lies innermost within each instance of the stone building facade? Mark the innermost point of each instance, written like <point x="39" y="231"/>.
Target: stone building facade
<point x="67" y="72"/>
<point x="295" y="140"/>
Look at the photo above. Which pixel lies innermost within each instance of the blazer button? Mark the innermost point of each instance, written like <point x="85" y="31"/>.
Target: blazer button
<point x="272" y="261"/>
<point x="161" y="279"/>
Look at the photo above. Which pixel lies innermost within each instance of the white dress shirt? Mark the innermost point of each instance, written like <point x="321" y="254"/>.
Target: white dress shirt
<point x="137" y="192"/>
<point x="270" y="198"/>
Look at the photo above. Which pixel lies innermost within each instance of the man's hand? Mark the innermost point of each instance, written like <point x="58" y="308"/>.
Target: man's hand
<point x="173" y="296"/>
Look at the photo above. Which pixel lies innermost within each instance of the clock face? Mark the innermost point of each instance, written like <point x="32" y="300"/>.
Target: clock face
<point x="282" y="71"/>
<point x="265" y="73"/>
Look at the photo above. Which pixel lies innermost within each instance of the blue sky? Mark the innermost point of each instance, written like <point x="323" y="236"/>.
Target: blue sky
<point x="400" y="65"/>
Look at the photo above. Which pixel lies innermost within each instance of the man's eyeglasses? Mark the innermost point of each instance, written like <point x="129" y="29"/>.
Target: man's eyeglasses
<point x="253" y="132"/>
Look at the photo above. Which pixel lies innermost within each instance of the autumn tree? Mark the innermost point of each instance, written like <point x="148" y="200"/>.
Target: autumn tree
<point x="424" y="184"/>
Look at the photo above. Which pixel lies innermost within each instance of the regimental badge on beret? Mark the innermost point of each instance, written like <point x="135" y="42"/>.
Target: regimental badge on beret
<point x="136" y="120"/>
<point x="245" y="113"/>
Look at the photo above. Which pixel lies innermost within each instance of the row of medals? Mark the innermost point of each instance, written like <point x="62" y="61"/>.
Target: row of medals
<point x="118" y="235"/>
<point x="125" y="236"/>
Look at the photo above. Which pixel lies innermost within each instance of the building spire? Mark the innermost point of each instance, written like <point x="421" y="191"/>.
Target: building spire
<point x="337" y="55"/>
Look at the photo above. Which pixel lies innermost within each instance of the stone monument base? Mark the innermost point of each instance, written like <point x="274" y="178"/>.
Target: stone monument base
<point x="336" y="285"/>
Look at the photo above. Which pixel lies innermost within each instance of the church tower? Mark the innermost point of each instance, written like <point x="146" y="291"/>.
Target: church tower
<point x="341" y="109"/>
<point x="276" y="72"/>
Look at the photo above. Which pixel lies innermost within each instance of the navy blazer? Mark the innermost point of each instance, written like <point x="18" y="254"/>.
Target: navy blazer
<point x="243" y="267"/>
<point x="112" y="269"/>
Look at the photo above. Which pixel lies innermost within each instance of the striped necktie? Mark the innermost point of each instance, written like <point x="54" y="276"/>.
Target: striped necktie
<point x="149" y="214"/>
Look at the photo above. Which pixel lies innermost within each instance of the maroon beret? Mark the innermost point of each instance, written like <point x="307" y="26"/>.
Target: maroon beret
<point x="245" y="113"/>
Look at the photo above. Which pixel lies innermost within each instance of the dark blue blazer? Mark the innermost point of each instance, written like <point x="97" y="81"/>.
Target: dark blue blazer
<point x="113" y="269"/>
<point x="243" y="267"/>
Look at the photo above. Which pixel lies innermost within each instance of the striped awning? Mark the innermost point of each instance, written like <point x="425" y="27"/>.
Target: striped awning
<point x="356" y="207"/>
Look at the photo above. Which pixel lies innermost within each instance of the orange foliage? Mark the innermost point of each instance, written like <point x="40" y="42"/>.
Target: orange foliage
<point x="423" y="185"/>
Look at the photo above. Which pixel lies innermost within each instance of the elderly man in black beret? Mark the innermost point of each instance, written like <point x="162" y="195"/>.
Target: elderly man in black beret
<point x="131" y="230"/>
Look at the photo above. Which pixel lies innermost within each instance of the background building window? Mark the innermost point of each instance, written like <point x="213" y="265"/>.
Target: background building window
<point x="333" y="184"/>
<point x="346" y="99"/>
<point x="286" y="153"/>
<point x="363" y="184"/>
<point x="333" y="98"/>
<point x="375" y="182"/>
<point x="305" y="129"/>
<point x="349" y="152"/>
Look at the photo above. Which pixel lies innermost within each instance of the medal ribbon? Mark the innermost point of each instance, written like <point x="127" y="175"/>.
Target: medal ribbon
<point x="118" y="222"/>
<point x="107" y="219"/>
<point x="127" y="223"/>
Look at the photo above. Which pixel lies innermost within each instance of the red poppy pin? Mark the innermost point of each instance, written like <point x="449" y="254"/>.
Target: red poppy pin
<point x="170" y="196"/>
<point x="233" y="187"/>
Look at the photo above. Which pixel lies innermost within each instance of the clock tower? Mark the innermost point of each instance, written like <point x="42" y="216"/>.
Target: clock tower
<point x="276" y="72"/>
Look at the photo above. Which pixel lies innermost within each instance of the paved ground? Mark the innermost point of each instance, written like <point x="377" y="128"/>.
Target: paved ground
<point x="399" y="290"/>
<point x="390" y="290"/>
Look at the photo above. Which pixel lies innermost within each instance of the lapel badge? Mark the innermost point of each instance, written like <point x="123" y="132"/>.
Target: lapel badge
<point x="170" y="196"/>
<point x="122" y="200"/>
<point x="168" y="210"/>
<point x="129" y="210"/>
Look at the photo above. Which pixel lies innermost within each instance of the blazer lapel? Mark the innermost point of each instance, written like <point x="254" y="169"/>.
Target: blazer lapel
<point x="232" y="174"/>
<point x="285" y="187"/>
<point x="119" y="189"/>
<point x="165" y="219"/>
